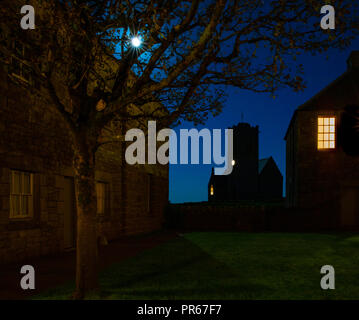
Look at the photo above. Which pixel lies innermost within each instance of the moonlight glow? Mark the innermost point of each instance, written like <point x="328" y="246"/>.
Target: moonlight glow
<point x="136" y="42"/>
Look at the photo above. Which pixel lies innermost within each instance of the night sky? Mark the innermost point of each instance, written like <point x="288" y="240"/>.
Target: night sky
<point x="188" y="183"/>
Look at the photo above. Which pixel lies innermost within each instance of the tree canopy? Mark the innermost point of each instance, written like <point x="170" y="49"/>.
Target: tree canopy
<point x="167" y="60"/>
<point x="188" y="52"/>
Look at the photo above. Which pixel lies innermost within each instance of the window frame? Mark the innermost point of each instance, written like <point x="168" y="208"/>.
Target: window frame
<point x="21" y="195"/>
<point x="327" y="116"/>
<point x="21" y="64"/>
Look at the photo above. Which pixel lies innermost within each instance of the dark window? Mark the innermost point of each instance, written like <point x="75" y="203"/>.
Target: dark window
<point x="21" y="194"/>
<point x="18" y="67"/>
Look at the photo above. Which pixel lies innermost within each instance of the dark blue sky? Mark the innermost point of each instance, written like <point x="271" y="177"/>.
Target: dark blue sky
<point x="188" y="183"/>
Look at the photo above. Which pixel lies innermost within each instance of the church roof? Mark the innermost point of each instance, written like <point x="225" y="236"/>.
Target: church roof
<point x="262" y="163"/>
<point x="349" y="78"/>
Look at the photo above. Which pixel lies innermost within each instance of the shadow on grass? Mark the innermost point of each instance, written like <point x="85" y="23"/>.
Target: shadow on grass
<point x="178" y="269"/>
<point x="204" y="265"/>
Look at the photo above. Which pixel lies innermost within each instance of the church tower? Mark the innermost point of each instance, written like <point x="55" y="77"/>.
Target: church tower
<point x="243" y="181"/>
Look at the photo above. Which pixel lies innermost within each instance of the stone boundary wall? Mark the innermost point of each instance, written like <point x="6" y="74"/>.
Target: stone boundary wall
<point x="263" y="218"/>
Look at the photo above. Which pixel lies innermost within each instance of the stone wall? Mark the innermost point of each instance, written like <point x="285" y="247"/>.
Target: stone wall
<point x="250" y="218"/>
<point x="33" y="138"/>
<point x="40" y="235"/>
<point x="291" y="163"/>
<point x="323" y="179"/>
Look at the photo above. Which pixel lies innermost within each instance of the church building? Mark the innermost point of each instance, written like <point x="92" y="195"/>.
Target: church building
<point x="251" y="178"/>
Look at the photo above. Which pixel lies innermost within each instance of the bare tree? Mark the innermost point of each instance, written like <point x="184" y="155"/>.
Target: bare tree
<point x="185" y="53"/>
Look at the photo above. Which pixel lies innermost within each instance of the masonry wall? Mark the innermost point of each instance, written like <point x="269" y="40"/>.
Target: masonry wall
<point x="143" y="210"/>
<point x="326" y="179"/>
<point x="291" y="164"/>
<point x="323" y="175"/>
<point x="34" y="139"/>
<point x="249" y="218"/>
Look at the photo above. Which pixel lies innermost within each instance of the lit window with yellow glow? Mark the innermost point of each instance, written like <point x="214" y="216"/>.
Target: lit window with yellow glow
<point x="326" y="132"/>
<point x="212" y="190"/>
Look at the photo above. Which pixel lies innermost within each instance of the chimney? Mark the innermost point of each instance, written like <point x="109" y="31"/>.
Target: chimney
<point x="353" y="60"/>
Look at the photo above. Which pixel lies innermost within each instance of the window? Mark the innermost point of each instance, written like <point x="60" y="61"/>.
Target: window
<point x="211" y="190"/>
<point x="326" y="132"/>
<point x="21" y="194"/>
<point x="101" y="193"/>
<point x="18" y="68"/>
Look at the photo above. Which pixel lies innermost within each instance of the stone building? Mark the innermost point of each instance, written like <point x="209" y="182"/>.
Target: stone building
<point x="270" y="180"/>
<point x="37" y="198"/>
<point x="251" y="178"/>
<point x="320" y="174"/>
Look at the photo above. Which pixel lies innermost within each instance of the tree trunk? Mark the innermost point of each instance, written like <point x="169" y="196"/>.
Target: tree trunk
<point x="86" y="249"/>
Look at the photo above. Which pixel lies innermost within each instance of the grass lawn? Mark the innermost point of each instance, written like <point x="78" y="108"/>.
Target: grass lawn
<point x="216" y="265"/>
